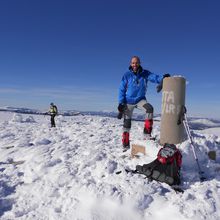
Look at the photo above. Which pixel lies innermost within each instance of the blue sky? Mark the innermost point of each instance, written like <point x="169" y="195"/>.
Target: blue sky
<point x="74" y="53"/>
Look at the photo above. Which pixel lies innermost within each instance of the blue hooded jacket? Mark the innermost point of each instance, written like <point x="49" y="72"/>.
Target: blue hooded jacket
<point x="133" y="86"/>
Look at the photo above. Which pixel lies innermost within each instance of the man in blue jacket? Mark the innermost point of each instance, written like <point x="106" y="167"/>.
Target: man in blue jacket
<point x="132" y="92"/>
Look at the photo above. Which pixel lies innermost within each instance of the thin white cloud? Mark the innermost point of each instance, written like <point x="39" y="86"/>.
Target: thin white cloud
<point x="208" y="85"/>
<point x="11" y="91"/>
<point x="74" y="93"/>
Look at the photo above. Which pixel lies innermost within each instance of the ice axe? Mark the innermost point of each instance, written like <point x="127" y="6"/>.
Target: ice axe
<point x="183" y="118"/>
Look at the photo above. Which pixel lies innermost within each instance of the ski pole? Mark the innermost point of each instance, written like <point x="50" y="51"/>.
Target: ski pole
<point x="186" y="125"/>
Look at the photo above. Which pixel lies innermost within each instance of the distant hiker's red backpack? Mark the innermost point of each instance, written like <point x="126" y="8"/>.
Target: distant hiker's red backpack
<point x="169" y="154"/>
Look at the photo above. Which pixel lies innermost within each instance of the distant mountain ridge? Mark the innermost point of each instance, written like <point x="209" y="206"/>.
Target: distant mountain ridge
<point x="35" y="111"/>
<point x="67" y="112"/>
<point x="196" y="123"/>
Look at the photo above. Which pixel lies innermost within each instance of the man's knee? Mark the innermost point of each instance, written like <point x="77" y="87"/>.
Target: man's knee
<point x="149" y="108"/>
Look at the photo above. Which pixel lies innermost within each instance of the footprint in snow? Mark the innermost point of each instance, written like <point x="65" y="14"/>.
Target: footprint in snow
<point x="53" y="162"/>
<point x="43" y="141"/>
<point x="112" y="166"/>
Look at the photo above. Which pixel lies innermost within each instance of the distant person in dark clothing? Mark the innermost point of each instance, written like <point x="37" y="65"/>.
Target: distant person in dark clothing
<point x="53" y="112"/>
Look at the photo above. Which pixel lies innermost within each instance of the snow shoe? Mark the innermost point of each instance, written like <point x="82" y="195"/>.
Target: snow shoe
<point x="149" y="137"/>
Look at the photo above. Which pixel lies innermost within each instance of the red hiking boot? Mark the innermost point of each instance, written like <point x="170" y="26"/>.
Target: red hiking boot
<point x="125" y="140"/>
<point x="148" y="126"/>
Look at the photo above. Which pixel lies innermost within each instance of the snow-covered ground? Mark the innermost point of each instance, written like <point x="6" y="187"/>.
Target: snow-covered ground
<point x="69" y="172"/>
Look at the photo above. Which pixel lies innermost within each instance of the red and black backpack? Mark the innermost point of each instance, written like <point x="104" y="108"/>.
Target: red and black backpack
<point x="169" y="154"/>
<point x="166" y="167"/>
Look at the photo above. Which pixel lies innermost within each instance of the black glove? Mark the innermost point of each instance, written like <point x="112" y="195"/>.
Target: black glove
<point x="182" y="115"/>
<point x="166" y="75"/>
<point x="121" y="108"/>
<point x="160" y="86"/>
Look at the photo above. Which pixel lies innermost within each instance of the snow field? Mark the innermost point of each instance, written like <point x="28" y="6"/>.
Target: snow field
<point x="69" y="172"/>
